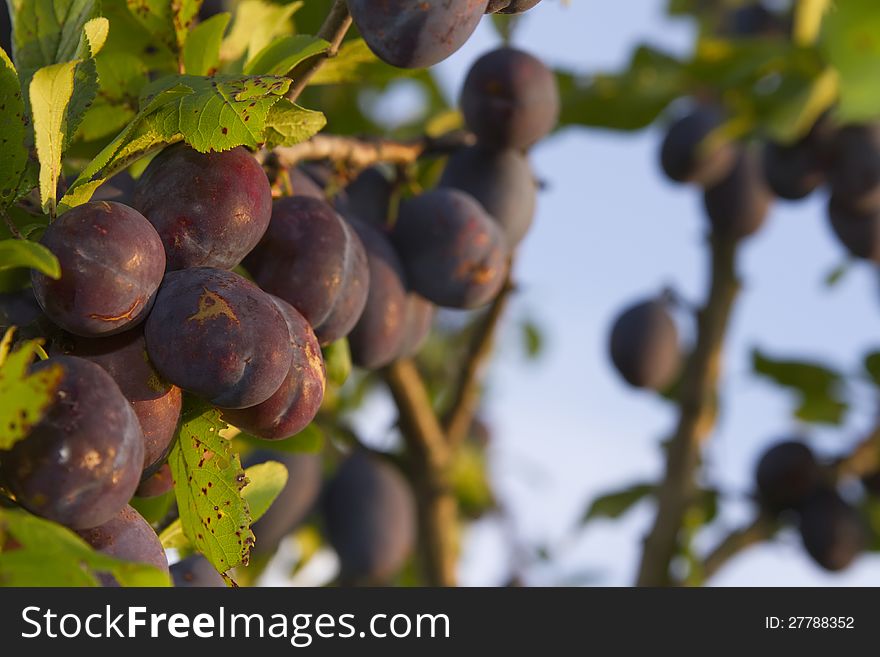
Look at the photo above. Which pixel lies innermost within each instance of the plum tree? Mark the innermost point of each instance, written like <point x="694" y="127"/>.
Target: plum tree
<point x="453" y="253"/>
<point x="367" y="198"/>
<point x="314" y="260"/>
<point x="156" y="402"/>
<point x="644" y="345"/>
<point x="78" y="468"/>
<point x="295" y="502"/>
<point x="111" y="266"/>
<point x="410" y="34"/>
<point x="510" y="99"/>
<point x="210" y="209"/>
<point x="857" y="228"/>
<point x="854" y="165"/>
<point x="126" y="536"/>
<point x="378" y="336"/>
<point x="831" y="530"/>
<point x="217" y="335"/>
<point x="503" y="183"/>
<point x="693" y="150"/>
<point x="738" y="204"/>
<point x="787" y="475"/>
<point x="296" y="402"/>
<point x="369" y="512"/>
<point x="196" y="572"/>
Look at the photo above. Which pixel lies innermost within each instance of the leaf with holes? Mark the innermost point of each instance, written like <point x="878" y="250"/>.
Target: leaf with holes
<point x="25" y="396"/>
<point x="208" y="485"/>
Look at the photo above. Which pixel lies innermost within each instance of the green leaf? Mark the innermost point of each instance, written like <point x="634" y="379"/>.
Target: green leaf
<point x="167" y="22"/>
<point x="308" y="441"/>
<point x="13" y="149"/>
<point x="201" y="54"/>
<point x="25" y="396"/>
<point x="47" y="554"/>
<point x="628" y="101"/>
<point x="288" y="124"/>
<point x="872" y="366"/>
<point x="208" y="484"/>
<point x="22" y="253"/>
<point x="614" y="505"/>
<point x="122" y="77"/>
<point x="266" y="481"/>
<point x="48" y="32"/>
<point x="128" y="37"/>
<point x="849" y="43"/>
<point x="355" y="62"/>
<point x="280" y="56"/>
<point x="817" y="386"/>
<point x="533" y="339"/>
<point x="257" y="23"/>
<point x="337" y="360"/>
<point x="50" y="92"/>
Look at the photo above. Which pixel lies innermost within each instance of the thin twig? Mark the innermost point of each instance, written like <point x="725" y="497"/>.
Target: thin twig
<point x="430" y="455"/>
<point x="361" y="153"/>
<point x="333" y="30"/>
<point x="697" y="417"/>
<point x="12" y="227"/>
<point x="467" y="391"/>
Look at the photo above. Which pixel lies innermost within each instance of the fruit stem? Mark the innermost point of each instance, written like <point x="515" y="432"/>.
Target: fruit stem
<point x="333" y="30"/>
<point x="697" y="404"/>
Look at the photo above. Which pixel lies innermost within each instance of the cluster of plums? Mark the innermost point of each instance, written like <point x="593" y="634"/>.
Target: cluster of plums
<point x="791" y="480"/>
<point x="148" y="308"/>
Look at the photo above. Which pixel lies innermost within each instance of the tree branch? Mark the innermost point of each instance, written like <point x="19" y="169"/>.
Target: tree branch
<point x="426" y="443"/>
<point x="697" y="403"/>
<point x="361" y="153"/>
<point x="467" y="391"/>
<point x="333" y="30"/>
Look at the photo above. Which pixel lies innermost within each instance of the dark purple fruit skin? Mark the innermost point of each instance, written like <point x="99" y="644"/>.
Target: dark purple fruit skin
<point x="831" y="530"/>
<point x="296" y="402"/>
<point x="119" y="188"/>
<point x="210" y="209"/>
<point x="127" y="537"/>
<point x="196" y="572"/>
<point x="295" y="502"/>
<point x="315" y="261"/>
<point x="518" y="6"/>
<point x="857" y="229"/>
<point x="510" y="99"/>
<point x="377" y="338"/>
<point x="111" y="265"/>
<point x="684" y="156"/>
<point x="501" y="181"/>
<point x="19" y="309"/>
<point x="792" y="172"/>
<point x="644" y="345"/>
<point x="302" y="184"/>
<point x="367" y="198"/>
<point x="156" y="402"/>
<point x="787" y="475"/>
<point x="454" y="254"/>
<point x="854" y="165"/>
<point x="158" y="483"/>
<point x="411" y="34"/>
<point x="82" y="462"/>
<point x="369" y="514"/>
<point x="737" y="206"/>
<point x="754" y="21"/>
<point x="417" y="324"/>
<point x="218" y="336"/>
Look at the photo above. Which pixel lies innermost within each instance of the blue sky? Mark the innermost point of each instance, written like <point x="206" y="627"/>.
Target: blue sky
<point x="610" y="230"/>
